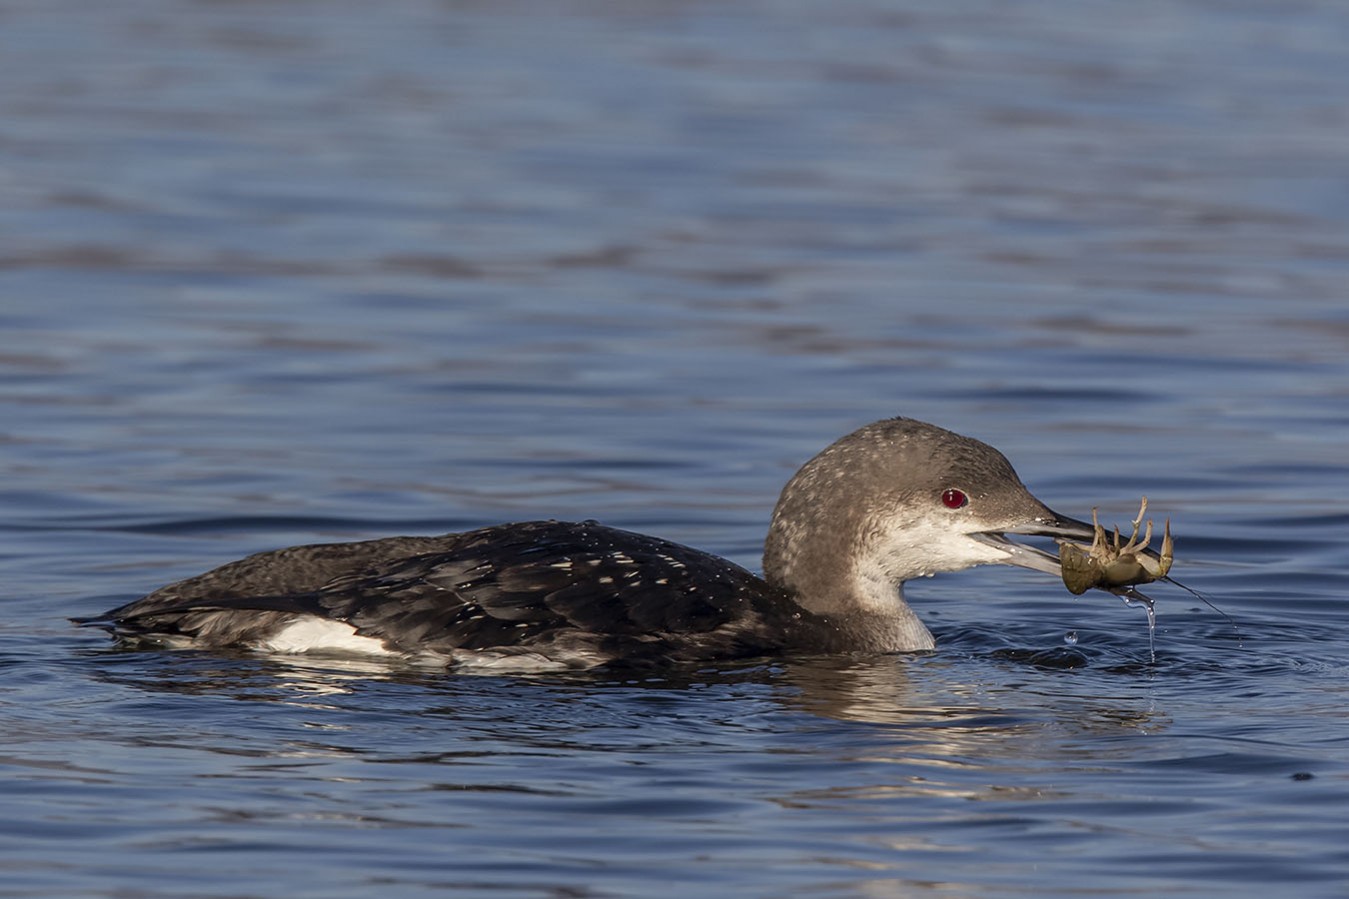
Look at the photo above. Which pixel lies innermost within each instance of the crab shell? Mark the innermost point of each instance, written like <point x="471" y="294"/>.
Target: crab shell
<point x="1082" y="570"/>
<point x="1108" y="565"/>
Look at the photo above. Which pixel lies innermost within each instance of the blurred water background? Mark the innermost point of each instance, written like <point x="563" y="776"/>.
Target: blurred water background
<point x="281" y="272"/>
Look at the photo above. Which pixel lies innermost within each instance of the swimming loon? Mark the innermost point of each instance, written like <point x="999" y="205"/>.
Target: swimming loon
<point x="894" y="500"/>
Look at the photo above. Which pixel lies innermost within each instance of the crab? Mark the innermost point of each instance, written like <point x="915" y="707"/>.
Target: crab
<point x="1113" y="566"/>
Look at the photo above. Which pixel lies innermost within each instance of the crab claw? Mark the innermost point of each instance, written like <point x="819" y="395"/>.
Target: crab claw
<point x="1168" y="551"/>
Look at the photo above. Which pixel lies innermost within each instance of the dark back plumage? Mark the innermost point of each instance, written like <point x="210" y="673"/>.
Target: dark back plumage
<point x="578" y="591"/>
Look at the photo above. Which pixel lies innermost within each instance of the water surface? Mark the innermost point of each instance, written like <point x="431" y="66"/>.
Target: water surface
<point x="290" y="272"/>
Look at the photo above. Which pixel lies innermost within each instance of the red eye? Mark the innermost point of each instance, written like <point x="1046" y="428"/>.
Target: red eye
<point x="952" y="498"/>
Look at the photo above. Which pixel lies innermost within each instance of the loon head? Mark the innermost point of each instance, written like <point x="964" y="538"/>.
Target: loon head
<point x="900" y="499"/>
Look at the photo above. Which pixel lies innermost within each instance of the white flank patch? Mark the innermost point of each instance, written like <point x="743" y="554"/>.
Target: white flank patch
<point x="314" y="634"/>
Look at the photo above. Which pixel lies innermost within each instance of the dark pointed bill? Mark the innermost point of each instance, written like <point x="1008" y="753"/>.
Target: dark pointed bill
<point x="1053" y="525"/>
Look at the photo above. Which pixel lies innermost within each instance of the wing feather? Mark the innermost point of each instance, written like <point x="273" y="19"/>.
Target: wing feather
<point x="521" y="585"/>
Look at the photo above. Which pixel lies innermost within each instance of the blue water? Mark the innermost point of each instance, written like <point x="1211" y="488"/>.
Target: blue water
<point x="287" y="272"/>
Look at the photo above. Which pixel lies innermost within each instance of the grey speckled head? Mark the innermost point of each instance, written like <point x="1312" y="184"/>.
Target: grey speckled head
<point x="873" y="510"/>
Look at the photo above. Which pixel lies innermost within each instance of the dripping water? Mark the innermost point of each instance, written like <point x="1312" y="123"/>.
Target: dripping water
<point x="1133" y="597"/>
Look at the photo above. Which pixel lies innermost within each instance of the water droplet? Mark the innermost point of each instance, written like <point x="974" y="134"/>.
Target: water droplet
<point x="1070" y="638"/>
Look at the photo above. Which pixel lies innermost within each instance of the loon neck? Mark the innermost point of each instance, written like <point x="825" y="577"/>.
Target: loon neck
<point x="873" y="613"/>
<point x="830" y="575"/>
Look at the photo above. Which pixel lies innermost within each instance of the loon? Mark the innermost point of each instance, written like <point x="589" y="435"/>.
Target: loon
<point x="895" y="500"/>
